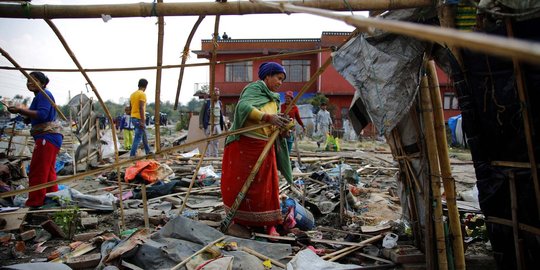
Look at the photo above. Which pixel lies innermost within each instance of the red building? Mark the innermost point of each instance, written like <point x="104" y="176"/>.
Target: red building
<point x="231" y="78"/>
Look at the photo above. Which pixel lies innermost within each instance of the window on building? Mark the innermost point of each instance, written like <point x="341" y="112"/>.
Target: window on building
<point x="450" y="101"/>
<point x="297" y="70"/>
<point x="239" y="72"/>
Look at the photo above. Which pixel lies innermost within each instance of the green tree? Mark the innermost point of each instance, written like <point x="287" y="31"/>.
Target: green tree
<point x="194" y="105"/>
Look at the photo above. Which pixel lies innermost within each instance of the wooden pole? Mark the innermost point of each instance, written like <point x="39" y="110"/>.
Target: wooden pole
<point x="127" y="161"/>
<point x="185" y="54"/>
<point x="191" y="8"/>
<point x="527" y="121"/>
<point x="157" y="103"/>
<point x="406" y="167"/>
<point x="145" y="206"/>
<point x="258" y="58"/>
<point x="11" y="137"/>
<point x="515" y="219"/>
<point x="446" y="170"/>
<point x="434" y="172"/>
<point x="485" y="43"/>
<point x="213" y="74"/>
<point x="186" y="260"/>
<point x="263" y="257"/>
<point x="30" y="78"/>
<point x="184" y="202"/>
<point x="105" y="109"/>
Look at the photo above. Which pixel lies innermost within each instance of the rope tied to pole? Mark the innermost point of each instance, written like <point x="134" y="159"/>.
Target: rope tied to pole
<point x="154" y="9"/>
<point x="26" y="7"/>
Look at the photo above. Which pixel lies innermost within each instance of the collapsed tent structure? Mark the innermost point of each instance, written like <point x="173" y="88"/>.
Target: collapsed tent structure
<point x="391" y="65"/>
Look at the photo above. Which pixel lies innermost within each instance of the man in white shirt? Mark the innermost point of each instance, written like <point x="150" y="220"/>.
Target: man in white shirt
<point x="323" y="123"/>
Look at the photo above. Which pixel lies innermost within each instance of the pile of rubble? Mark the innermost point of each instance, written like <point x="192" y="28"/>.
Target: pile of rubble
<point x="343" y="205"/>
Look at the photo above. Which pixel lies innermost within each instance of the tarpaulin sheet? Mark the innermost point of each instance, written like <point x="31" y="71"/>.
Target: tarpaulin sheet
<point x="384" y="71"/>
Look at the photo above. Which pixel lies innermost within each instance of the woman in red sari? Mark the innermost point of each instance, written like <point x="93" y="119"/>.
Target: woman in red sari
<point x="258" y="103"/>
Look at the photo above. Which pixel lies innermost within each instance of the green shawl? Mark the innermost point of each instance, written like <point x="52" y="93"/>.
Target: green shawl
<point x="256" y="95"/>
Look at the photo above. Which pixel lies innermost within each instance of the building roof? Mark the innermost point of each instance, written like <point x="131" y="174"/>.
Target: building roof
<point x="271" y="45"/>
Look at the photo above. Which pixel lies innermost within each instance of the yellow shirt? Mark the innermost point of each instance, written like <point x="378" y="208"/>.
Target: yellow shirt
<point x="255" y="117"/>
<point x="134" y="99"/>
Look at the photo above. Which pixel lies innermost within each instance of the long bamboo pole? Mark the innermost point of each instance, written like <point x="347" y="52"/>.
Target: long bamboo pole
<point x="446" y="171"/>
<point x="527" y="121"/>
<point x="186" y="260"/>
<point x="256" y="58"/>
<point x="30" y="78"/>
<point x="213" y="74"/>
<point x="185" y="54"/>
<point x="519" y="49"/>
<point x="105" y="109"/>
<point x="263" y="257"/>
<point x="128" y="161"/>
<point x="515" y="221"/>
<point x="157" y="103"/>
<point x="184" y="201"/>
<point x="429" y="132"/>
<point x="30" y="11"/>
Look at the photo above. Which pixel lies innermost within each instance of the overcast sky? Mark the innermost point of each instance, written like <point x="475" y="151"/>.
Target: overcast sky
<point x="131" y="42"/>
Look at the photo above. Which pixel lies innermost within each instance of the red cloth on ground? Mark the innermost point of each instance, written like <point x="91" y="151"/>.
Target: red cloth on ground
<point x="261" y="206"/>
<point x="42" y="170"/>
<point x="294" y="113"/>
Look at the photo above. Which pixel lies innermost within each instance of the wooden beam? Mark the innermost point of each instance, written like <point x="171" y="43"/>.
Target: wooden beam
<point x="29" y="11"/>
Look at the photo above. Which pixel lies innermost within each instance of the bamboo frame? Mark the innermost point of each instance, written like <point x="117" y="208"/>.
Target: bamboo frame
<point x="190" y="8"/>
<point x="105" y="109"/>
<point x="484" y="43"/>
<point x="410" y="177"/>
<point x="157" y="103"/>
<point x="446" y="170"/>
<point x="527" y="121"/>
<point x="434" y="172"/>
<point x="273" y="56"/>
<point x="515" y="220"/>
<point x="185" y="54"/>
<point x="30" y="78"/>
<point x="127" y="161"/>
<point x="184" y="202"/>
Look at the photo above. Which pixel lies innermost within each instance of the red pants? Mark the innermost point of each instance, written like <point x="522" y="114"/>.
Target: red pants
<point x="42" y="170"/>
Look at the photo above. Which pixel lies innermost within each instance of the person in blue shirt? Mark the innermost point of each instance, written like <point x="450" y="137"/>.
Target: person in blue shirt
<point x="47" y="137"/>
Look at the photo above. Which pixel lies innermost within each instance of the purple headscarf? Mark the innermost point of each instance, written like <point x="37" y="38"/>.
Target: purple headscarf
<point x="270" y="68"/>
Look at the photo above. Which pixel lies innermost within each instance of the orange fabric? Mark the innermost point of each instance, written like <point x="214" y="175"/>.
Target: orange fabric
<point x="148" y="169"/>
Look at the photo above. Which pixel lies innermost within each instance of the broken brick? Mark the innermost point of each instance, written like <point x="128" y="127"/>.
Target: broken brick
<point x="89" y="222"/>
<point x="404" y="254"/>
<point x="4" y="238"/>
<point x="27" y="235"/>
<point x="86" y="261"/>
<point x="53" y="229"/>
<point x="85" y="236"/>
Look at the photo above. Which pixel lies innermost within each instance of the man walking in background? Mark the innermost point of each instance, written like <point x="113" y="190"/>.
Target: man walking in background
<point x="138" y="110"/>
<point x="323" y="123"/>
<point x="212" y="122"/>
